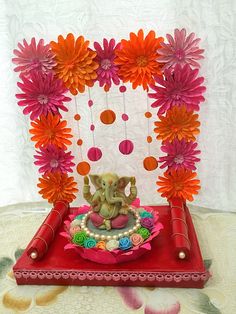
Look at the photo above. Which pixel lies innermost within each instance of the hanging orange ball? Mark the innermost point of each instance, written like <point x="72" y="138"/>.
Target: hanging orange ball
<point x="149" y="139"/>
<point x="108" y="116"/>
<point x="77" y="117"/>
<point x="83" y="168"/>
<point x="150" y="163"/>
<point x="80" y="142"/>
<point x="148" y="114"/>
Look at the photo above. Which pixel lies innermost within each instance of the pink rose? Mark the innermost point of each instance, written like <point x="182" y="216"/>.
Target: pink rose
<point x="136" y="239"/>
<point x="74" y="230"/>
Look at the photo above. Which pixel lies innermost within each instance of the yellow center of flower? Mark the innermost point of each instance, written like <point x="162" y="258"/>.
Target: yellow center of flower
<point x="142" y="61"/>
<point x="178" y="186"/>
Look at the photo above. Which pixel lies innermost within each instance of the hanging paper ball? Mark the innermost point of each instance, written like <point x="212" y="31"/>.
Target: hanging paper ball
<point x="94" y="154"/>
<point x="150" y="163"/>
<point x="122" y="89"/>
<point x="77" y="117"/>
<point x="80" y="142"/>
<point x="90" y="103"/>
<point x="126" y="147"/>
<point x="125" y="117"/>
<point x="83" y="168"/>
<point x="149" y="139"/>
<point x="92" y="127"/>
<point x="148" y="114"/>
<point x="108" y="116"/>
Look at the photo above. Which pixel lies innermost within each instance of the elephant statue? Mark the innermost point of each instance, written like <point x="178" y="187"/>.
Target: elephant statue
<point x="109" y="202"/>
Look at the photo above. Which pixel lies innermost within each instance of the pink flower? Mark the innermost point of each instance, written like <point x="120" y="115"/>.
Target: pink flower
<point x="107" y="71"/>
<point x="180" y="50"/>
<point x="181" y="86"/>
<point x="41" y="94"/>
<point x="33" y="57"/>
<point x="52" y="158"/>
<point x="136" y="239"/>
<point x="180" y="154"/>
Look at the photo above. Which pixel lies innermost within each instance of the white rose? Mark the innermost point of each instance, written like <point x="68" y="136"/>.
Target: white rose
<point x="112" y="245"/>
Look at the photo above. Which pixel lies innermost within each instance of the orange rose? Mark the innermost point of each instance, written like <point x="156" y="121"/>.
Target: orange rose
<point x="101" y="245"/>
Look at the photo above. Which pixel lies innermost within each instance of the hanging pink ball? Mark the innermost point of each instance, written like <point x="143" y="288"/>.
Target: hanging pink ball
<point x="126" y="147"/>
<point x="94" y="154"/>
<point x="122" y="89"/>
<point x="125" y="117"/>
<point x="90" y="103"/>
<point x="92" y="127"/>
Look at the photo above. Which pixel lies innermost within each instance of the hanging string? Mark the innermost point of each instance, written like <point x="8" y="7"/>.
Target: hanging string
<point x="77" y="118"/>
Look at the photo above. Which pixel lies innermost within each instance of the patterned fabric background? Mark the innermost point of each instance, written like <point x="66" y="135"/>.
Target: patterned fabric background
<point x="213" y="21"/>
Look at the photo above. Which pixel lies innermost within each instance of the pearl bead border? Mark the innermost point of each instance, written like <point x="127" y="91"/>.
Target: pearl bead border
<point x="102" y="237"/>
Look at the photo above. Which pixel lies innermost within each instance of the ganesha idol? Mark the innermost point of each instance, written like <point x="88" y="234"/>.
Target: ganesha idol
<point x="109" y="203"/>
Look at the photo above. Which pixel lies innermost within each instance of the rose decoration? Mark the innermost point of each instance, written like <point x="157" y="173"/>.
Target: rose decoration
<point x="147" y="222"/>
<point x="145" y="214"/>
<point x="136" y="239"/>
<point x="144" y="233"/>
<point x="89" y="243"/>
<point x="125" y="243"/>
<point x="80" y="217"/>
<point x="112" y="245"/>
<point x="79" y="238"/>
<point x="101" y="245"/>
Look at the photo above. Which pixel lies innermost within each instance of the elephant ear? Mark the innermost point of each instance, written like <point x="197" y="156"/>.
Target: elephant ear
<point x="96" y="180"/>
<point x="122" y="183"/>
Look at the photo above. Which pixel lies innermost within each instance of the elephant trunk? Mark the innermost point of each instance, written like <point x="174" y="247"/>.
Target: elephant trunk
<point x="111" y="199"/>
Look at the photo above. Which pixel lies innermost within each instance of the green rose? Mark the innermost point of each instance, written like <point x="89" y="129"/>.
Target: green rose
<point x="144" y="232"/>
<point x="146" y="214"/>
<point x="79" y="238"/>
<point x="89" y="243"/>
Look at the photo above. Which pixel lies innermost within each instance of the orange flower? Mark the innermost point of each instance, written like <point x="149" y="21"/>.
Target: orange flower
<point x="75" y="62"/>
<point x="101" y="245"/>
<point x="178" y="123"/>
<point x="179" y="183"/>
<point x="57" y="186"/>
<point x="50" y="130"/>
<point x="137" y="59"/>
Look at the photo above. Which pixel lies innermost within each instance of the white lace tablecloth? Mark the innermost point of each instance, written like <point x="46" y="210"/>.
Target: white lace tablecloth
<point x="217" y="237"/>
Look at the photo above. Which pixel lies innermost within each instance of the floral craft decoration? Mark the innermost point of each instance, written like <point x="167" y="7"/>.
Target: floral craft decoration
<point x="51" y="158"/>
<point x="178" y="87"/>
<point x="137" y="59"/>
<point x="33" y="57"/>
<point x="180" y="49"/>
<point x="180" y="154"/>
<point x="107" y="72"/>
<point x="50" y="130"/>
<point x="179" y="183"/>
<point x="75" y="64"/>
<point x="57" y="186"/>
<point x="41" y="94"/>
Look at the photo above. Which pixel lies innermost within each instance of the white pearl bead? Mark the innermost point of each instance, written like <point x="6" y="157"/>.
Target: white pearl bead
<point x="34" y="255"/>
<point x="126" y="233"/>
<point x="134" y="228"/>
<point x="120" y="235"/>
<point x="130" y="231"/>
<point x="96" y="236"/>
<point x="182" y="255"/>
<point x="108" y="238"/>
<point x="91" y="234"/>
<point x="138" y="225"/>
<point x="82" y="226"/>
<point x="114" y="237"/>
<point x="103" y="237"/>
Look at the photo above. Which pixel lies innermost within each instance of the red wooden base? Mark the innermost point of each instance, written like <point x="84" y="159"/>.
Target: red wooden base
<point x="159" y="267"/>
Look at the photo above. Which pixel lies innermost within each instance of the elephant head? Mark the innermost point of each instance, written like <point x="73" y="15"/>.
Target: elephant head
<point x="110" y="184"/>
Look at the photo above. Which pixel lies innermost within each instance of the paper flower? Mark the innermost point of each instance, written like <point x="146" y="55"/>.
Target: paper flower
<point x="136" y="239"/>
<point x="144" y="232"/>
<point x="79" y="238"/>
<point x="147" y="223"/>
<point x="145" y="214"/>
<point x="90" y="243"/>
<point x="137" y="59"/>
<point x="50" y="130"/>
<point x="179" y="183"/>
<point x="75" y="62"/>
<point x="107" y="71"/>
<point x="180" y="50"/>
<point x="57" y="186"/>
<point x="33" y="56"/>
<point x="52" y="158"/>
<point x="180" y="154"/>
<point x="125" y="243"/>
<point x="178" y="123"/>
<point x="41" y="94"/>
<point x="178" y="87"/>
